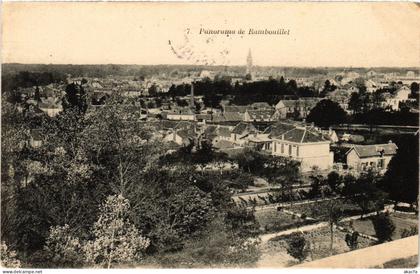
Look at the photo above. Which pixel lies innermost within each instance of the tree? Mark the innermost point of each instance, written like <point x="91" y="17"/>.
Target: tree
<point x="171" y="206"/>
<point x="356" y="102"/>
<point x="366" y="193"/>
<point x="333" y="180"/>
<point x="297" y="246"/>
<point x="384" y="227"/>
<point x="116" y="239"/>
<point x="401" y="177"/>
<point x="332" y="211"/>
<point x="75" y="98"/>
<point x="414" y="88"/>
<point x="8" y="257"/>
<point x="64" y="249"/>
<point x="327" y="113"/>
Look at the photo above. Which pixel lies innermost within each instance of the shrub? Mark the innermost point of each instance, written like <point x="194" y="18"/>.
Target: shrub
<point x="409" y="232"/>
<point x="297" y="246"/>
<point x="8" y="257"/>
<point x="384" y="227"/>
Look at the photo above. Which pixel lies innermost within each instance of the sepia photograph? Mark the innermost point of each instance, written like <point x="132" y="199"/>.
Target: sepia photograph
<point x="209" y="135"/>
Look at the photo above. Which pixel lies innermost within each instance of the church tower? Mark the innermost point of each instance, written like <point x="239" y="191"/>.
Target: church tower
<point x="249" y="65"/>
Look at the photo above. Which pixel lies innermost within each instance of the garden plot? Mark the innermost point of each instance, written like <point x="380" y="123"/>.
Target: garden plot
<point x="274" y="251"/>
<point x="271" y="220"/>
<point x="401" y="222"/>
<point x="309" y="209"/>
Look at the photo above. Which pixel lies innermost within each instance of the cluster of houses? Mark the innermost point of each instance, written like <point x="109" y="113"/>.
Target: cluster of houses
<point x="298" y="141"/>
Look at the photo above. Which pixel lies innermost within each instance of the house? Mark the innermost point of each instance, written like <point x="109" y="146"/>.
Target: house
<point x="182" y="137"/>
<point x="341" y="97"/>
<point x="51" y="107"/>
<point x="350" y="88"/>
<point x="371" y="86"/>
<point x="240" y="132"/>
<point x="295" y="108"/>
<point x="302" y="143"/>
<point x="331" y="135"/>
<point x="371" y="73"/>
<point x="376" y="157"/>
<point x="185" y="114"/>
<point x="400" y="95"/>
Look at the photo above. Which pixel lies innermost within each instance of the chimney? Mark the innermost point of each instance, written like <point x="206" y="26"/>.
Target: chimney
<point x="192" y="96"/>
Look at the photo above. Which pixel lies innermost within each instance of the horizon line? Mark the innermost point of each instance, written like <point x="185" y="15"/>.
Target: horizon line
<point x="198" y="65"/>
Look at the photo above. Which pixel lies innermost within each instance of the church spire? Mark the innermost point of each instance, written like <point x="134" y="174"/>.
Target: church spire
<point x="249" y="64"/>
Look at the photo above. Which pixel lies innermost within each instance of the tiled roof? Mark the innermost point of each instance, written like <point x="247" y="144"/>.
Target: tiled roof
<point x="242" y="128"/>
<point x="303" y="135"/>
<point x="223" y="144"/>
<point x="294" y="133"/>
<point x="223" y="131"/>
<point x="278" y="129"/>
<point x="261" y="105"/>
<point x="239" y="109"/>
<point x="233" y="116"/>
<point x="364" y="151"/>
<point x="300" y="102"/>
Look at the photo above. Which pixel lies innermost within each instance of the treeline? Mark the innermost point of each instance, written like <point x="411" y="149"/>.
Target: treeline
<point x="25" y="79"/>
<point x="383" y="117"/>
<point x="270" y="91"/>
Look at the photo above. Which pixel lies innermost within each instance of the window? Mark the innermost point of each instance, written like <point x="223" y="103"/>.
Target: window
<point x="290" y="150"/>
<point x="381" y="163"/>
<point x="297" y="151"/>
<point x="282" y="148"/>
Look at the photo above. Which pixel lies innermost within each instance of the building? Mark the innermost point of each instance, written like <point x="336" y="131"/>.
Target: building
<point x="375" y="157"/>
<point x="182" y="137"/>
<point x="51" y="108"/>
<point x="240" y="132"/>
<point x="301" y="143"/>
<point x="185" y="114"/>
<point x="295" y="108"/>
<point x="401" y="95"/>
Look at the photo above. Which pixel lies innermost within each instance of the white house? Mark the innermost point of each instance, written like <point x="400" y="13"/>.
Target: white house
<point x="302" y="143"/>
<point x="401" y="95"/>
<point x="376" y="157"/>
<point x="52" y="109"/>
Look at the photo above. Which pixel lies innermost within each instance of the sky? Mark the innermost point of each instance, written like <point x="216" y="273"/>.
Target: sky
<point x="319" y="34"/>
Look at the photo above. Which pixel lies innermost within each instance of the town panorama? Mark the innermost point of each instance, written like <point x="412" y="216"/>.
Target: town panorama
<point x="111" y="166"/>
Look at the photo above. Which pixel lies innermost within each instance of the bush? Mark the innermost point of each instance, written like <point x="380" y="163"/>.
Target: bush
<point x="8" y="257"/>
<point x="384" y="227"/>
<point x="297" y="247"/>
<point x="409" y="232"/>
